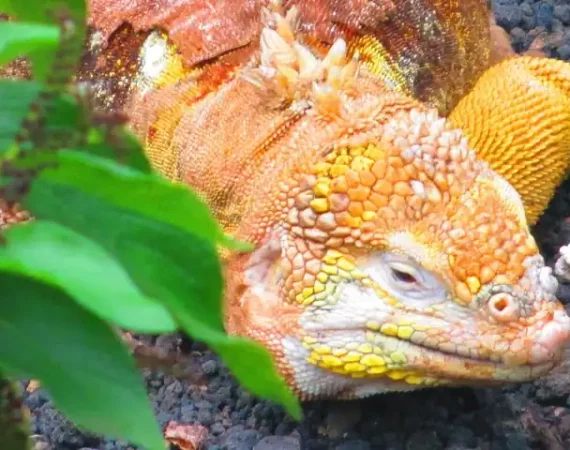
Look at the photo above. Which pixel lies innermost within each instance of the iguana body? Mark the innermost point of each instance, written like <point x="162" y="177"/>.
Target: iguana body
<point x="390" y="251"/>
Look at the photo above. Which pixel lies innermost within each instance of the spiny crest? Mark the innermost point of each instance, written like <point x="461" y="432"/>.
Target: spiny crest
<point x="293" y="72"/>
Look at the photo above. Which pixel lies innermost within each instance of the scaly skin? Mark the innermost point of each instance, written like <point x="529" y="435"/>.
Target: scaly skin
<point x="392" y="249"/>
<point x="518" y="119"/>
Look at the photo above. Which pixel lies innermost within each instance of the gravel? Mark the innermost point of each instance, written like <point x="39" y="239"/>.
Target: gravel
<point x="529" y="416"/>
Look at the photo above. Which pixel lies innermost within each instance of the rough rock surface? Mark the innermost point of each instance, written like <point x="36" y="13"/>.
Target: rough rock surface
<point x="524" y="417"/>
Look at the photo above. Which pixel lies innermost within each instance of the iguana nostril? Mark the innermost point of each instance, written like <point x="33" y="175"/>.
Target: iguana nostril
<point x="503" y="307"/>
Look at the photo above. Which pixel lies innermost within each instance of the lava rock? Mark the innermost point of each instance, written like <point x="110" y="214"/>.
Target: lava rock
<point x="236" y="438"/>
<point x="354" y="445"/>
<point x="210" y="367"/>
<point x="508" y="13"/>
<point x="278" y="443"/>
<point x="424" y="440"/>
<point x="562" y="12"/>
<point x="50" y="422"/>
<point x="341" y="418"/>
<point x="544" y="15"/>
<point x="462" y="436"/>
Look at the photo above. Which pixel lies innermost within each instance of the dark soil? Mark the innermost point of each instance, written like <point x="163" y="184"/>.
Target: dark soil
<point x="529" y="416"/>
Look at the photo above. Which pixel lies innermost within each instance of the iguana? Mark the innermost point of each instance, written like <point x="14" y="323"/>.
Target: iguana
<point x="384" y="167"/>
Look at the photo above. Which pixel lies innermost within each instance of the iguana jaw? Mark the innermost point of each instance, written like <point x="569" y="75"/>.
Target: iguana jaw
<point x="359" y="338"/>
<point x="426" y="368"/>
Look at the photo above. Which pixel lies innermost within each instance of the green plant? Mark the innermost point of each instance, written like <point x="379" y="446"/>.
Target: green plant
<point x="112" y="244"/>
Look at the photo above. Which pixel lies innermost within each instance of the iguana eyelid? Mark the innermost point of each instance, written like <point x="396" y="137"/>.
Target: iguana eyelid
<point x="407" y="269"/>
<point x="427" y="285"/>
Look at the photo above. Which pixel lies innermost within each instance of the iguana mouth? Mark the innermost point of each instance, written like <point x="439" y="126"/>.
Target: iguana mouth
<point x="418" y="363"/>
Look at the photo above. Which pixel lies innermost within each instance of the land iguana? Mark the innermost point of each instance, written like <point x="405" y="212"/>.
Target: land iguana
<point x="386" y="169"/>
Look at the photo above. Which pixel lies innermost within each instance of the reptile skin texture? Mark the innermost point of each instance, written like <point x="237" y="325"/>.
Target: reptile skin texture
<point x="384" y="164"/>
<point x="520" y="125"/>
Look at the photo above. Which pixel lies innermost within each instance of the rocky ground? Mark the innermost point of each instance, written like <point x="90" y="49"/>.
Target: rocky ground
<point x="530" y="416"/>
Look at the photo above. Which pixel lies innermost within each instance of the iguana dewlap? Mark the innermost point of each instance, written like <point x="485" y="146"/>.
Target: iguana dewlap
<point x="392" y="246"/>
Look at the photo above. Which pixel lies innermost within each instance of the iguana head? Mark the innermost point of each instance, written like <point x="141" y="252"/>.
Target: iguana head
<point x="403" y="261"/>
<point x="392" y="258"/>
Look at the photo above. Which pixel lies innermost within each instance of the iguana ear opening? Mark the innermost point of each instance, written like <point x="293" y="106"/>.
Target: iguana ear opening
<point x="256" y="292"/>
<point x="264" y="265"/>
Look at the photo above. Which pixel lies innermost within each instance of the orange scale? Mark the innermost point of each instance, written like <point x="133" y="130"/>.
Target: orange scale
<point x="397" y="203"/>
<point x="525" y="251"/>
<point x="410" y="213"/>
<point x="403" y="175"/>
<point x="494" y="242"/>
<point x="339" y="184"/>
<point x="427" y="209"/>
<point x="335" y="242"/>
<point x="392" y="175"/>
<point x="340" y="231"/>
<point x="460" y="272"/>
<point x="313" y="266"/>
<point x="383" y="187"/>
<point x="352" y="178"/>
<point x="502" y="255"/>
<point x="486" y="274"/>
<point x="415" y="202"/>
<point x="396" y="162"/>
<point x="326" y="222"/>
<point x="388" y="214"/>
<point x="379" y="169"/>
<point x="368" y="227"/>
<point x="519" y="238"/>
<point x="309" y="280"/>
<point x="367" y="179"/>
<point x="356" y="209"/>
<point x="441" y="181"/>
<point x="498" y="267"/>
<point x="366" y="237"/>
<point x="343" y="218"/>
<point x="506" y="235"/>
<point x="339" y="202"/>
<point x="402" y="188"/>
<point x="510" y="247"/>
<point x="486" y="257"/>
<point x="379" y="200"/>
<point x="369" y="206"/>
<point x="410" y="171"/>
<point x="359" y="193"/>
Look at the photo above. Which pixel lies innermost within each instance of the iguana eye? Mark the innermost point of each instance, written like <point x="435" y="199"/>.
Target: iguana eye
<point x="404" y="279"/>
<point x="403" y="274"/>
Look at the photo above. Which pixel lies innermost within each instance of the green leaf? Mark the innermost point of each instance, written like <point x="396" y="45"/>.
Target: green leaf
<point x="70" y="18"/>
<point x="28" y="39"/>
<point x="146" y="195"/>
<point x="77" y="358"/>
<point x="69" y="126"/>
<point x="43" y="11"/>
<point x="166" y="239"/>
<point x="106" y="221"/>
<point x="85" y="272"/>
<point x="120" y="145"/>
<point x="16" y="98"/>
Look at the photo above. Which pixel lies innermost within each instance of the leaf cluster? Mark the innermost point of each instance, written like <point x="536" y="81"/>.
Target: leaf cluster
<point x="112" y="244"/>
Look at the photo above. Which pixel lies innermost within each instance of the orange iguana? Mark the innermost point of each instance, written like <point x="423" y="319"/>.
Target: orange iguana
<point x="385" y="171"/>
